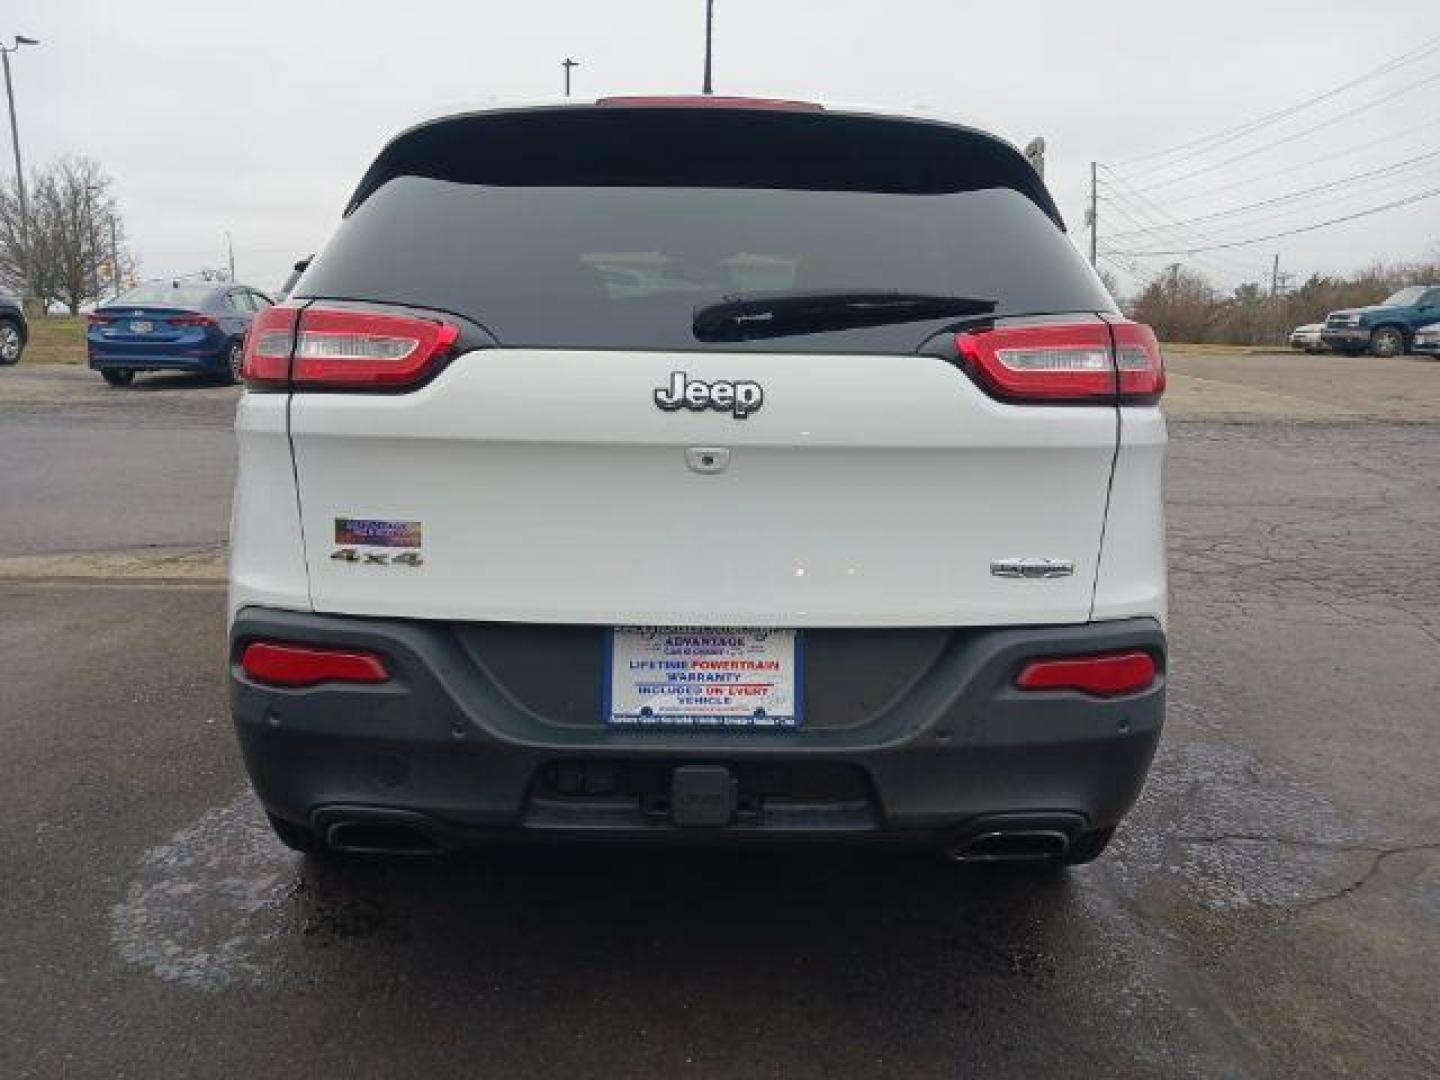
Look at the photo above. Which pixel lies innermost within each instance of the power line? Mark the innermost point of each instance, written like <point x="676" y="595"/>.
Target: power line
<point x="1221" y="138"/>
<point x="1336" y="200"/>
<point x="1222" y="266"/>
<point x="1226" y="274"/>
<point x="1385" y="170"/>
<point x="1293" y="232"/>
<point x="1132" y="268"/>
<point x="1347" y="151"/>
<point x="1339" y="200"/>
<point x="1118" y="187"/>
<point x="1290" y="138"/>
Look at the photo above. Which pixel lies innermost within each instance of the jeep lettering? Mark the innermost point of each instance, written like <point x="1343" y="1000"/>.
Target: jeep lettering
<point x="737" y="398"/>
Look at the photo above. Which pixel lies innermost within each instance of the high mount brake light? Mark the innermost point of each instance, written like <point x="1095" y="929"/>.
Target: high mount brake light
<point x="321" y="348"/>
<point x="1104" y="675"/>
<point x="280" y="663"/>
<point x="709" y="101"/>
<point x="1066" y="362"/>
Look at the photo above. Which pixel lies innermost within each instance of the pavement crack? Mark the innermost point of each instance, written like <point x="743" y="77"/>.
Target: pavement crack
<point x="1378" y="853"/>
<point x="1365" y="878"/>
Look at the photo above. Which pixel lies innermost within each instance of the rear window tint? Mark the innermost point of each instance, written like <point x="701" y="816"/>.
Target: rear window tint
<point x="612" y="243"/>
<point x="165" y="293"/>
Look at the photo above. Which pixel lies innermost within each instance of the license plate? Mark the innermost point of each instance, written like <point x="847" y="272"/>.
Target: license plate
<point x="141" y="326"/>
<point x="683" y="677"/>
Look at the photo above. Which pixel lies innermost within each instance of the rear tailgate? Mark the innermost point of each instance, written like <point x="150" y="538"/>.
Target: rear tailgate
<point x="868" y="491"/>
<point x="536" y="480"/>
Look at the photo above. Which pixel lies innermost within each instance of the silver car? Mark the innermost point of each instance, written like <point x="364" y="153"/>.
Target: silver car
<point x="1427" y="340"/>
<point x="1307" y="337"/>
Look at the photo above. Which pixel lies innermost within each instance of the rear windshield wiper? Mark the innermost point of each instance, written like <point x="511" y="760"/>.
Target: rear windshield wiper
<point x="778" y="314"/>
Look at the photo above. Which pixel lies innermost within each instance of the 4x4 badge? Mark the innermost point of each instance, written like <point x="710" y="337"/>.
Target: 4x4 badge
<point x="739" y="399"/>
<point x="377" y="558"/>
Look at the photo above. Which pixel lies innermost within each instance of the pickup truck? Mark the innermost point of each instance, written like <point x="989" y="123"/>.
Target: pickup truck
<point x="1387" y="328"/>
<point x="14" y="330"/>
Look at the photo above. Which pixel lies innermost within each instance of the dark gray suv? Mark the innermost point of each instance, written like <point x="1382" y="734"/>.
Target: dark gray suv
<point x="14" y="330"/>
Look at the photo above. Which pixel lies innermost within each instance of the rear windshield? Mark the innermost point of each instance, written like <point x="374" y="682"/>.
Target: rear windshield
<point x="172" y="294"/>
<point x="605" y="263"/>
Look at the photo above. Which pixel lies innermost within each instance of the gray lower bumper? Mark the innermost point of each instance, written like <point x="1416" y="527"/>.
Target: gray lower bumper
<point x="1355" y="337"/>
<point x="459" y="737"/>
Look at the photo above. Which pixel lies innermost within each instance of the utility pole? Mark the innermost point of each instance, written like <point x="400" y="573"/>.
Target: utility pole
<point x="230" y="251"/>
<point x="1275" y="277"/>
<point x="708" y="87"/>
<point x="114" y="258"/>
<point x="1094" y="215"/>
<point x="567" y="64"/>
<point x="20" y="39"/>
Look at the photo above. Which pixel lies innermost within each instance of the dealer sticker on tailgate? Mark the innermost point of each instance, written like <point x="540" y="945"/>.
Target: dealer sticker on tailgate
<point x="669" y="676"/>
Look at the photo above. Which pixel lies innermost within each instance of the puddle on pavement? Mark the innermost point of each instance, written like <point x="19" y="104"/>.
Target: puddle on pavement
<point x="203" y="905"/>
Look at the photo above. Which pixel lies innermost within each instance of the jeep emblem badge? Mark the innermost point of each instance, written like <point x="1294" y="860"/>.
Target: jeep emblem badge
<point x="739" y="399"/>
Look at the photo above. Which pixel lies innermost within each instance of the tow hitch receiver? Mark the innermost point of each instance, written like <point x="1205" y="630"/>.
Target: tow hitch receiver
<point x="702" y="795"/>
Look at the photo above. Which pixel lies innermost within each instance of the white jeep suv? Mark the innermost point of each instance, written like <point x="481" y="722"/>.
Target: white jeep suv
<point x="687" y="468"/>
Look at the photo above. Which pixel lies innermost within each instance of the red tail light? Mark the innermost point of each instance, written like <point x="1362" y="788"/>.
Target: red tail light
<point x="359" y="350"/>
<point x="1066" y="362"/>
<point x="280" y="664"/>
<point x="268" y="346"/>
<point x="1140" y="362"/>
<point x="95" y="319"/>
<point x="191" y="320"/>
<point x="1103" y="675"/>
<point x="343" y="349"/>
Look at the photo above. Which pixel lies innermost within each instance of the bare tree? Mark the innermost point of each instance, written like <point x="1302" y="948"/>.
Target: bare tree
<point x="64" y="253"/>
<point x="1111" y="283"/>
<point x="1179" y="303"/>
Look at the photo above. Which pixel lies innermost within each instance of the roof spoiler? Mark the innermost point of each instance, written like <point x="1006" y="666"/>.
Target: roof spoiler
<point x="763" y="143"/>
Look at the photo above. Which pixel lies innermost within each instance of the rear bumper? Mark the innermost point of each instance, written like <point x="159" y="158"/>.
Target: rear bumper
<point x="208" y="361"/>
<point x="954" y="749"/>
<point x="1352" y="337"/>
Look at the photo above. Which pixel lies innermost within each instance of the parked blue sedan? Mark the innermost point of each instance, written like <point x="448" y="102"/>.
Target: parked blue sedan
<point x="173" y="326"/>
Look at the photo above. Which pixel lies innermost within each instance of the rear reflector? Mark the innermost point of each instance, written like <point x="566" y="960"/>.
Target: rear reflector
<point x="1054" y="363"/>
<point x="1105" y="675"/>
<point x="710" y="101"/>
<point x="281" y="664"/>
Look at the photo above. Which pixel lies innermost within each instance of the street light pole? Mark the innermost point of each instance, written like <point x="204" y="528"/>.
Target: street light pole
<point x="708" y="87"/>
<point x="20" y="40"/>
<point x="567" y="64"/>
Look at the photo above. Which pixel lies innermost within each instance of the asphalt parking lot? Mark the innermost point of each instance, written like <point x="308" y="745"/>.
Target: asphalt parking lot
<point x="1272" y="908"/>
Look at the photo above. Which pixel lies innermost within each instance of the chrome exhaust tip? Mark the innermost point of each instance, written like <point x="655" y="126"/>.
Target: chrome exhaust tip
<point x="1013" y="845"/>
<point x="380" y="838"/>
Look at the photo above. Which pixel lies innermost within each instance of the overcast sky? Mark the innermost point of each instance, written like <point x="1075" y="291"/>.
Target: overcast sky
<point x="259" y="116"/>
